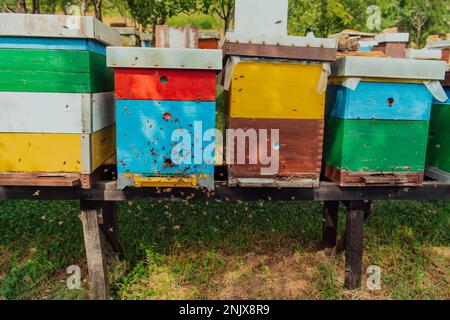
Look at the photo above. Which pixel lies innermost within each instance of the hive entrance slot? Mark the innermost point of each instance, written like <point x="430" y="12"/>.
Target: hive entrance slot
<point x="391" y="102"/>
<point x="163" y="79"/>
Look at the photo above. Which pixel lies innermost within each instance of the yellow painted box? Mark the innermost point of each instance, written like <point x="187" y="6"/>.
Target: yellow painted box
<point x="56" y="153"/>
<point x="277" y="90"/>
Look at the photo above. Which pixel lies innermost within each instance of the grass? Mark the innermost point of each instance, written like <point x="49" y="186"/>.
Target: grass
<point x="225" y="250"/>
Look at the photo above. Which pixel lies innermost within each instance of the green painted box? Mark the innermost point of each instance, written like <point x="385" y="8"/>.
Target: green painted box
<point x="438" y="154"/>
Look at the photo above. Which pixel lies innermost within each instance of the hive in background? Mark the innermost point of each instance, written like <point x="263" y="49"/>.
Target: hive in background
<point x="56" y="99"/>
<point x="275" y="88"/>
<point x="438" y="154"/>
<point x="165" y="113"/>
<point x="378" y="112"/>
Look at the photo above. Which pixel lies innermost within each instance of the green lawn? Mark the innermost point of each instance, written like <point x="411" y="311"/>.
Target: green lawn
<point x="225" y="250"/>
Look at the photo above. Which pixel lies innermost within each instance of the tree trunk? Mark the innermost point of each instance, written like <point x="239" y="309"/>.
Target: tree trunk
<point x="21" y="6"/>
<point x="83" y="7"/>
<point x="98" y="9"/>
<point x="35" y="5"/>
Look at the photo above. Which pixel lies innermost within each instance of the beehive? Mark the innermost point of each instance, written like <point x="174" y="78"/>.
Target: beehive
<point x="56" y="99"/>
<point x="165" y="114"/>
<point x="378" y="112"/>
<point x="438" y="154"/>
<point x="276" y="83"/>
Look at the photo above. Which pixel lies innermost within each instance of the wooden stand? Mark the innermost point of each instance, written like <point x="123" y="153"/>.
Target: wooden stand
<point x="357" y="213"/>
<point x="99" y="220"/>
<point x="42" y="179"/>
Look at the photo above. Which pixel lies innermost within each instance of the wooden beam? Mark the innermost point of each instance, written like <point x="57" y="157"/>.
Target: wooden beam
<point x="110" y="227"/>
<point x="279" y="51"/>
<point x="95" y="249"/>
<point x="354" y="243"/>
<point x="330" y="224"/>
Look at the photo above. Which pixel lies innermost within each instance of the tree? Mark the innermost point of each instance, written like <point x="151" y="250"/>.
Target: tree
<point x="156" y="12"/>
<point x="423" y="17"/>
<point x="97" y="4"/>
<point x="223" y="8"/>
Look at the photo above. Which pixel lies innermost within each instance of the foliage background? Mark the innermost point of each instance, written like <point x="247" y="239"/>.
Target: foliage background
<point x="418" y="17"/>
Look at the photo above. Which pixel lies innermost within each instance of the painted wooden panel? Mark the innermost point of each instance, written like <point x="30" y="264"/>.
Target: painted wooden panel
<point x="144" y="137"/>
<point x="165" y="84"/>
<point x="30" y="112"/>
<point x="52" y="44"/>
<point x="377" y="100"/>
<point x="300" y="147"/>
<point x="276" y="90"/>
<point x="103" y="146"/>
<point x="50" y="152"/>
<point x="35" y="152"/>
<point x="54" y="71"/>
<point x="57" y="26"/>
<point x="376" y="145"/>
<point x="438" y="154"/>
<point x="176" y="37"/>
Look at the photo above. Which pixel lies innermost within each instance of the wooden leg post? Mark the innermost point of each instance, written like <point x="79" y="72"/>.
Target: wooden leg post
<point x="95" y="249"/>
<point x="110" y="227"/>
<point x="330" y="223"/>
<point x="356" y="211"/>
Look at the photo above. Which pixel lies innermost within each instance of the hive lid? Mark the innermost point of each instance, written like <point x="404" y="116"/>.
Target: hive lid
<point x="376" y="67"/>
<point x="441" y="44"/>
<point x="425" y="54"/>
<point x="57" y="26"/>
<point x="164" y="58"/>
<point x="392" y="37"/>
<point x="283" y="47"/>
<point x="281" y="40"/>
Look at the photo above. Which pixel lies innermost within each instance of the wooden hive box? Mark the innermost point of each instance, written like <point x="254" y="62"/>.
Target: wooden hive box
<point x="165" y="114"/>
<point x="58" y="123"/>
<point x="438" y="154"/>
<point x="378" y="112"/>
<point x="276" y="85"/>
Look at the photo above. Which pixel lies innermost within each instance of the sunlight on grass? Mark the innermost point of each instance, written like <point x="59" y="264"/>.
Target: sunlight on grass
<point x="217" y="250"/>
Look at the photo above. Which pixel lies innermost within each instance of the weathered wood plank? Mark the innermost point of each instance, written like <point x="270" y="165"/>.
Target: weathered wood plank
<point x="354" y="244"/>
<point x="328" y="191"/>
<point x="373" y="178"/>
<point x="279" y="52"/>
<point x="95" y="250"/>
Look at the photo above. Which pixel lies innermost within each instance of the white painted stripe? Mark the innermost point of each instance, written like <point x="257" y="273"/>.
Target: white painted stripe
<point x="55" y="112"/>
<point x="168" y="58"/>
<point x="57" y="26"/>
